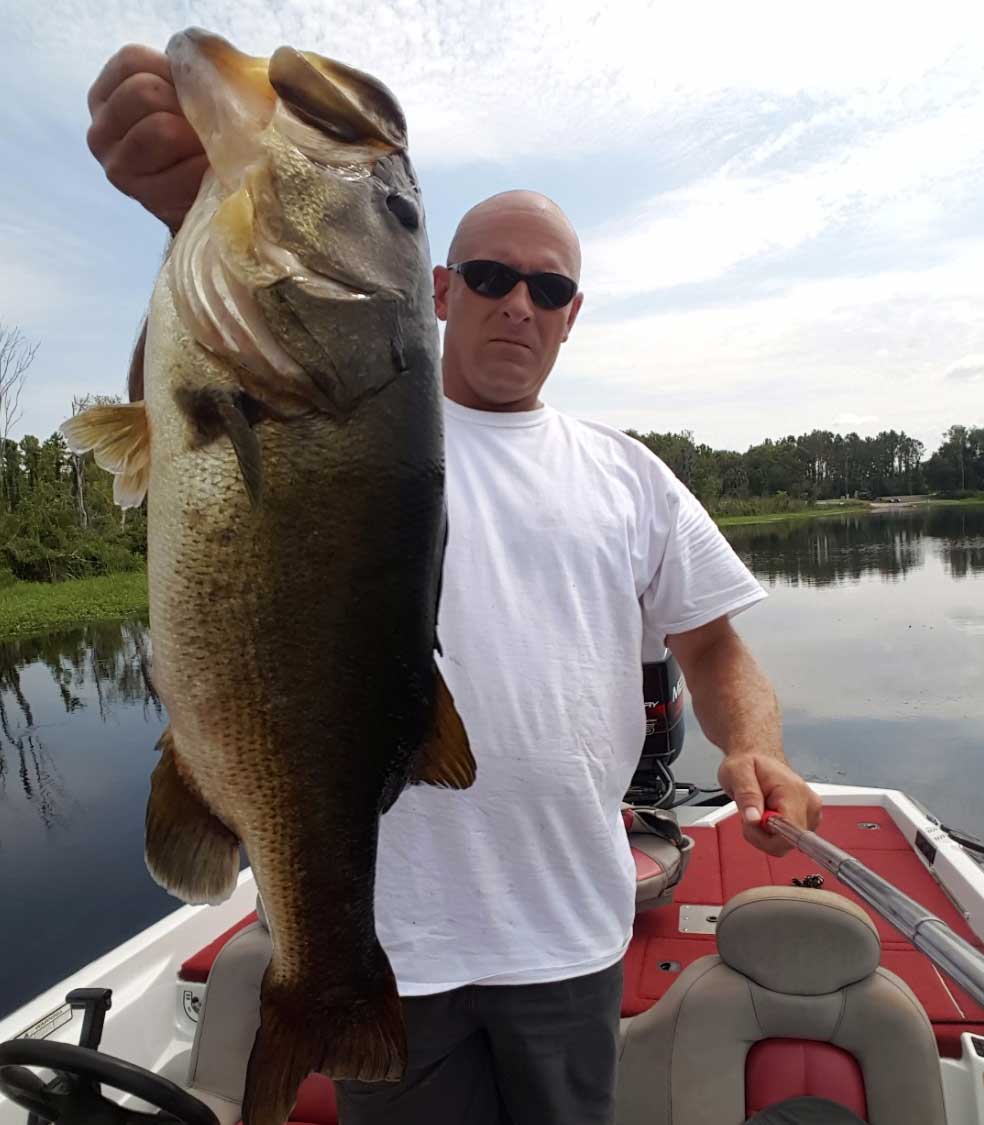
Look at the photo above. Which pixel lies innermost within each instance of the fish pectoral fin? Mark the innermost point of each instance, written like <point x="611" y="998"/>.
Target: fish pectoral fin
<point x="119" y="437"/>
<point x="188" y="850"/>
<point x="445" y="757"/>
<point x="216" y="411"/>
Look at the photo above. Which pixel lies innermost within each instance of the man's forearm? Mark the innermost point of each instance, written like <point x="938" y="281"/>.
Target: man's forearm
<point x="737" y="709"/>
<point x="733" y="699"/>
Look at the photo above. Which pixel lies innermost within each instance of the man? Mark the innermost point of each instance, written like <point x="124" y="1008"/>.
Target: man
<point x="573" y="554"/>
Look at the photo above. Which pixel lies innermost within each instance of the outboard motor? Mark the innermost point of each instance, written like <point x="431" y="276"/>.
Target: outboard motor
<point x="662" y="691"/>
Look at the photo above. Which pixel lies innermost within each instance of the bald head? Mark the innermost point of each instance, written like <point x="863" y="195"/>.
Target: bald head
<point x="499" y="347"/>
<point x="481" y="226"/>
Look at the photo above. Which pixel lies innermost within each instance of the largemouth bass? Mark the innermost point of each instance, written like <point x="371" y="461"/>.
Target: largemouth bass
<point x="290" y="445"/>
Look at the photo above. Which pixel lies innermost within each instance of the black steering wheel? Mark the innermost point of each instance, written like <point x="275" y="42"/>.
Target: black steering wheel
<point x="73" y="1096"/>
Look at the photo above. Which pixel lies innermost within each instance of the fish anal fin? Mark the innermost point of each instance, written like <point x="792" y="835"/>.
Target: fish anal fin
<point x="118" y="436"/>
<point x="445" y="757"/>
<point x="355" y="1031"/>
<point x="215" y="411"/>
<point x="188" y="850"/>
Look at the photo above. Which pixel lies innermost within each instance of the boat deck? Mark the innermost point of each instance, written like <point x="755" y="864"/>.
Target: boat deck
<point x="723" y="864"/>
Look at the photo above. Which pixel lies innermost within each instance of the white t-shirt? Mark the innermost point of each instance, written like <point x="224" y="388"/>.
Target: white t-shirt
<point x="572" y="552"/>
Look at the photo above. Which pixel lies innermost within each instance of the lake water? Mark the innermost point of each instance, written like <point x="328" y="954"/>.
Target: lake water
<point x="873" y="634"/>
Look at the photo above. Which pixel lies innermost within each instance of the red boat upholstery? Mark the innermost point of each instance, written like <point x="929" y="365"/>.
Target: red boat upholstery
<point x="199" y="965"/>
<point x="659" y="867"/>
<point x="722" y="865"/>
<point x="315" y="1103"/>
<point x="233" y="965"/>
<point x="777" y="1069"/>
<point x="794" y="1003"/>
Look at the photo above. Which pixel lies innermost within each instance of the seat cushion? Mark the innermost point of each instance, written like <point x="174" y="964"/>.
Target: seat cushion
<point x="315" y="1103"/>
<point x="657" y="864"/>
<point x="199" y="965"/>
<point x="779" y="1069"/>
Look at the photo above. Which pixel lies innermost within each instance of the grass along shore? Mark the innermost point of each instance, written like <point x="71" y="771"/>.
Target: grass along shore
<point x="783" y="517"/>
<point x="847" y="508"/>
<point x="37" y="607"/>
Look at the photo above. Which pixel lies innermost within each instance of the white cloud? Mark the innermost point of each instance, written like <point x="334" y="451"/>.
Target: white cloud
<point x="970" y="369"/>
<point x="854" y="422"/>
<point x="516" y="79"/>
<point x="820" y="354"/>
<point x="896" y="183"/>
<point x="780" y="130"/>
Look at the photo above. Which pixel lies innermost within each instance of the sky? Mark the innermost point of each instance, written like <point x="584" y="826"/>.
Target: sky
<point x="781" y="205"/>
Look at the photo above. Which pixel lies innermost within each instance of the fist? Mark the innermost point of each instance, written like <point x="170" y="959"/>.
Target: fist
<point x="756" y="782"/>
<point x="140" y="136"/>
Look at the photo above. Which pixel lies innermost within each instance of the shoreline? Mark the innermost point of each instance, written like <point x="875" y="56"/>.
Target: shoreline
<point x="861" y="506"/>
<point x="28" y="608"/>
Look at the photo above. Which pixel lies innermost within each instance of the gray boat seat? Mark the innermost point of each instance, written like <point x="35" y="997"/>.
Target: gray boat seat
<point x="795" y="1003"/>
<point x="227" y="1022"/>
<point x="660" y="852"/>
<point x="229" y="1015"/>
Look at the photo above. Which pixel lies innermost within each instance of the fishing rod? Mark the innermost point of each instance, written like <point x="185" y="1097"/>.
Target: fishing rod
<point x="956" y="957"/>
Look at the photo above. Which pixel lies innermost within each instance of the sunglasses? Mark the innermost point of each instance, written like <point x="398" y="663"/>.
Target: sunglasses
<point x="496" y="279"/>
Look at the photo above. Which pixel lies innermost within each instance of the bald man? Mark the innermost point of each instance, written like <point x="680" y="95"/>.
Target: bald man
<point x="574" y="554"/>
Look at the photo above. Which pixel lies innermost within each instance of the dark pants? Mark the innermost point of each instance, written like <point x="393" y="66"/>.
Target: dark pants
<point x="806" y="1111"/>
<point x="502" y="1055"/>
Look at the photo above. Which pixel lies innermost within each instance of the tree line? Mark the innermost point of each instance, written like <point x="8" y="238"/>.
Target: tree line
<point x="57" y="516"/>
<point x="793" y="471"/>
<point x="58" y="519"/>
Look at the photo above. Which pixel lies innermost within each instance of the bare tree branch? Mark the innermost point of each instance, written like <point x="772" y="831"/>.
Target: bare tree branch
<point x="16" y="356"/>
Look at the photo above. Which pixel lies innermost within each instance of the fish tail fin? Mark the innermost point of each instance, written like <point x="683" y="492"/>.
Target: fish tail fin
<point x="188" y="850"/>
<point x="356" y="1032"/>
<point x="119" y="437"/>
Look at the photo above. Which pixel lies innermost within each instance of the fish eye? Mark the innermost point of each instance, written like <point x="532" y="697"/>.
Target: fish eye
<point x="405" y="209"/>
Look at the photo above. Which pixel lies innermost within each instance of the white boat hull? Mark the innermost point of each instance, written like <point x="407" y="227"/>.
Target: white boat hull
<point x="153" y="1016"/>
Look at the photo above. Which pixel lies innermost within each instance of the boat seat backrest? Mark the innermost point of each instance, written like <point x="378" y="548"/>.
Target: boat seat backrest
<point x="230" y="1015"/>
<point x="793" y="965"/>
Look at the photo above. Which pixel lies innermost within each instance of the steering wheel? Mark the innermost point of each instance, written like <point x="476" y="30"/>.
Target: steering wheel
<point x="73" y="1096"/>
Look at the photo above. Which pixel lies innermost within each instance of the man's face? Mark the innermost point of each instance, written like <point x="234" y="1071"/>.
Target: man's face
<point x="499" y="352"/>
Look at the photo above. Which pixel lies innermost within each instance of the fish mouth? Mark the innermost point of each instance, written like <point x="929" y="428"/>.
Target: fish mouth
<point x="336" y="99"/>
<point x="226" y="93"/>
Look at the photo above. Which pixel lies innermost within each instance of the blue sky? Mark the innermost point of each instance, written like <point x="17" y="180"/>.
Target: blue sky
<point x="780" y="205"/>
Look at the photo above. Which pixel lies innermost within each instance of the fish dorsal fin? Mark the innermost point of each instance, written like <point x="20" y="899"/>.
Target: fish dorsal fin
<point x="119" y="437"/>
<point x="445" y="758"/>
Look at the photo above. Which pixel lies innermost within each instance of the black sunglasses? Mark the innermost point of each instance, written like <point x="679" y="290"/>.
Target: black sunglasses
<point x="496" y="279"/>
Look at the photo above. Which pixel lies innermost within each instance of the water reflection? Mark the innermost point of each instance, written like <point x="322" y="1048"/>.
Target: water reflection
<point x="98" y="667"/>
<point x="843" y="548"/>
<point x="79" y="718"/>
<point x="873" y="635"/>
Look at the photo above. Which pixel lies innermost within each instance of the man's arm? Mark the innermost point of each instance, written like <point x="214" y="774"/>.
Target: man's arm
<point x="140" y="136"/>
<point x="737" y="709"/>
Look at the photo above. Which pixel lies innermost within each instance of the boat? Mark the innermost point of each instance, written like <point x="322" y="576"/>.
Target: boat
<point x="173" y="1010"/>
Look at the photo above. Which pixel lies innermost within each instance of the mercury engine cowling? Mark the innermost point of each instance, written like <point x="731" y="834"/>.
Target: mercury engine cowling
<point x="662" y="690"/>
